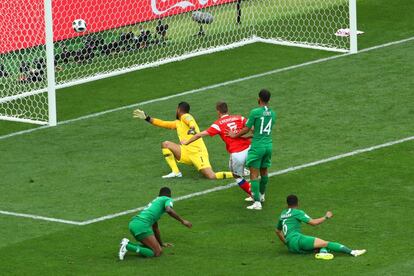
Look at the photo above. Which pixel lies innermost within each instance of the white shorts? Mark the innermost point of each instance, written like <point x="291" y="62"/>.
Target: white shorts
<point x="237" y="162"/>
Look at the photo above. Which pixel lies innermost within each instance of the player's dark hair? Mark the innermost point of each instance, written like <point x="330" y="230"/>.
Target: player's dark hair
<point x="264" y="95"/>
<point x="222" y="107"/>
<point x="184" y="107"/>
<point x="292" y="200"/>
<point x="165" y="191"/>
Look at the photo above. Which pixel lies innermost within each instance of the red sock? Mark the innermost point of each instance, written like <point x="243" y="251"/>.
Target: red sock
<point x="245" y="186"/>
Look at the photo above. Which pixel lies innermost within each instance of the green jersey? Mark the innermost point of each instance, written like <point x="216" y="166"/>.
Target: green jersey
<point x="290" y="222"/>
<point x="262" y="119"/>
<point x="155" y="209"/>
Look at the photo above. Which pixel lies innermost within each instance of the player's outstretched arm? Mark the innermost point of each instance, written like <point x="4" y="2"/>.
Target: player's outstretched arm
<point x="247" y="127"/>
<point x="170" y="211"/>
<point x="140" y="114"/>
<point x="195" y="137"/>
<point x="157" y="233"/>
<point x="318" y="221"/>
<point x="242" y="132"/>
<point x="280" y="235"/>
<point x="249" y="134"/>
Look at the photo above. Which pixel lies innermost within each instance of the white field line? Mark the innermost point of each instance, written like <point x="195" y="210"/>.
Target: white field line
<point x="14" y="214"/>
<point x="215" y="189"/>
<point x="209" y="87"/>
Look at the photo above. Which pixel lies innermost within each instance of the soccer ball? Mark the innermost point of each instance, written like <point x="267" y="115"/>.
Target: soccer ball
<point x="79" y="25"/>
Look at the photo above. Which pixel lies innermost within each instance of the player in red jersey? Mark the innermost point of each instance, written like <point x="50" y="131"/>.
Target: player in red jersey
<point x="237" y="147"/>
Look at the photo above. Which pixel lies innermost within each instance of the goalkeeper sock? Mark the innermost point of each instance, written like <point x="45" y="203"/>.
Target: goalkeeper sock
<point x="255" y="189"/>
<point x="224" y="175"/>
<point x="263" y="183"/>
<point x="144" y="251"/>
<point x="244" y="185"/>
<point x="170" y="158"/>
<point x="337" y="247"/>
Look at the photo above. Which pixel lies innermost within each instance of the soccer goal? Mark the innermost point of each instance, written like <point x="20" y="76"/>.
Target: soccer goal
<point x="50" y="44"/>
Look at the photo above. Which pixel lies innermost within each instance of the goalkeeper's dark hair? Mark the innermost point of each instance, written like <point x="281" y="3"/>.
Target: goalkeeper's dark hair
<point x="165" y="191"/>
<point x="292" y="200"/>
<point x="184" y="107"/>
<point x="264" y="95"/>
<point x="222" y="107"/>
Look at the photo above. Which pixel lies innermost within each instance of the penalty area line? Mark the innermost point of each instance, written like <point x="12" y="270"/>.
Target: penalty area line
<point x="210" y="87"/>
<point x="208" y="191"/>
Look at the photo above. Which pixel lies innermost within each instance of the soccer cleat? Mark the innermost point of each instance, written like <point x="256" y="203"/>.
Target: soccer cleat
<point x="255" y="206"/>
<point x="172" y="175"/>
<point x="122" y="249"/>
<point x="324" y="256"/>
<point x="357" y="253"/>
<point x="250" y="199"/>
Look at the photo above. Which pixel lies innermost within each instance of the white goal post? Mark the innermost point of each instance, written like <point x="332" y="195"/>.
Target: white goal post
<point x="49" y="44"/>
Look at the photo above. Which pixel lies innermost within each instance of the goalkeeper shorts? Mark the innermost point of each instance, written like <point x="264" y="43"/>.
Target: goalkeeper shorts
<point x="198" y="159"/>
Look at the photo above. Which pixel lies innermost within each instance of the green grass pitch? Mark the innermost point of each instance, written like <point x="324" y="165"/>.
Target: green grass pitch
<point x="103" y="165"/>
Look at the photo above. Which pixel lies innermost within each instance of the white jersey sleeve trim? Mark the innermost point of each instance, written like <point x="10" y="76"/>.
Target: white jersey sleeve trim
<point x="216" y="127"/>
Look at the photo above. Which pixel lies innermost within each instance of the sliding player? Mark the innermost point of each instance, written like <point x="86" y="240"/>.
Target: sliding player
<point x="262" y="120"/>
<point x="237" y="147"/>
<point x="195" y="154"/>
<point x="289" y="232"/>
<point x="144" y="227"/>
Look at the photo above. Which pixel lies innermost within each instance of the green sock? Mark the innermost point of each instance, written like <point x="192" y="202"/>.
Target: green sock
<point x="263" y="182"/>
<point x="131" y="247"/>
<point x="144" y="251"/>
<point x="255" y="188"/>
<point x="337" y="247"/>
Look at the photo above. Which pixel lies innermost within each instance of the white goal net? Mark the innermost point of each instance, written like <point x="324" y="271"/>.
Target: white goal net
<point x="98" y="39"/>
<point x="23" y="62"/>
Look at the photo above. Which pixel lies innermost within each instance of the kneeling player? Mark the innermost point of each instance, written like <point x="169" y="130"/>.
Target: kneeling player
<point x="195" y="154"/>
<point x="288" y="231"/>
<point x="237" y="147"/>
<point x="144" y="227"/>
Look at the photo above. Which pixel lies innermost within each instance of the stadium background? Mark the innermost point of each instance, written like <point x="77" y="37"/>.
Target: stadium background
<point x="26" y="25"/>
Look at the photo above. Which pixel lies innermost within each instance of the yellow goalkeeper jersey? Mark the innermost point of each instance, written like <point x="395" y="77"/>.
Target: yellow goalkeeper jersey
<point x="182" y="126"/>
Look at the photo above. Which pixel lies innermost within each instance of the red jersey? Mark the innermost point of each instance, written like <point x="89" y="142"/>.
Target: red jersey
<point x="234" y="123"/>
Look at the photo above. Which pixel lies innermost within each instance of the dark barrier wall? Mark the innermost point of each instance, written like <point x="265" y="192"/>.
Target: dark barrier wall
<point x="22" y="23"/>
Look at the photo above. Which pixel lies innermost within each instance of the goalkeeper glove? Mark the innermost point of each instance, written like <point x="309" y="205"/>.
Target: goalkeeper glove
<point x="140" y="114"/>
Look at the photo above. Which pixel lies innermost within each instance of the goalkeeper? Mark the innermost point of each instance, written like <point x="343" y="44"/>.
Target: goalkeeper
<point x="195" y="154"/>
